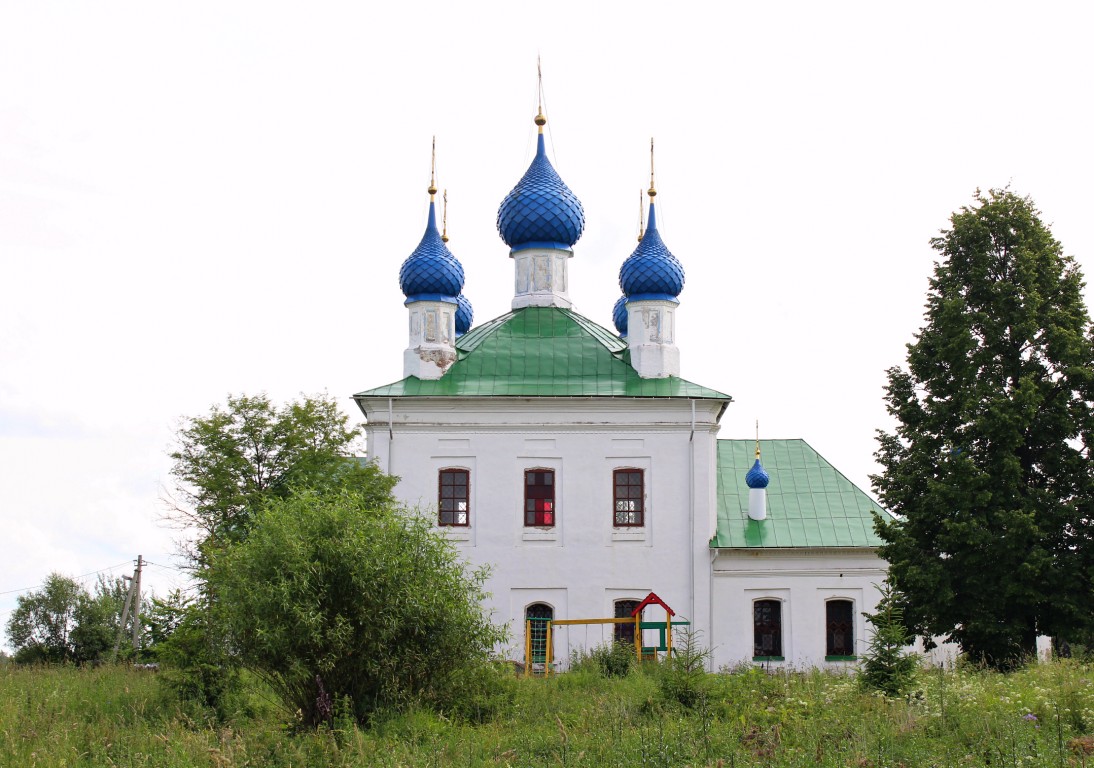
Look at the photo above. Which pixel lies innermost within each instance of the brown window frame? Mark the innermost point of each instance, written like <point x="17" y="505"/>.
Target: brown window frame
<point x="839" y="626"/>
<point x="453" y="514"/>
<point x="540" y="508"/>
<point x="639" y="501"/>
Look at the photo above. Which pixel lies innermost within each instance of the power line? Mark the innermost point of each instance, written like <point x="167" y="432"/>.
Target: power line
<point x="74" y="578"/>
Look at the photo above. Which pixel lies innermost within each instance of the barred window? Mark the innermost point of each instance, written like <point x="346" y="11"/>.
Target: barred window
<point x="536" y="617"/>
<point x="624" y="633"/>
<point x="839" y="628"/>
<point x="767" y="625"/>
<point x="629" y="497"/>
<point x="454" y="502"/>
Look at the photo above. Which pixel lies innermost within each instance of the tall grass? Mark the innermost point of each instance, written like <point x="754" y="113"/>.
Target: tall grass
<point x="1038" y="716"/>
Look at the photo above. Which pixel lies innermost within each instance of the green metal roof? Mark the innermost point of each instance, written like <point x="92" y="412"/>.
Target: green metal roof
<point x="542" y="352"/>
<point x="809" y="503"/>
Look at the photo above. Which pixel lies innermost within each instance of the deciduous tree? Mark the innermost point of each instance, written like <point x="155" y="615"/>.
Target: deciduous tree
<point x="337" y="602"/>
<point x="234" y="460"/>
<point x="990" y="468"/>
<point x="62" y="622"/>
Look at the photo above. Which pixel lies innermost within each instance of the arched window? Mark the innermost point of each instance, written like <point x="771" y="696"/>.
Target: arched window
<point x="767" y="625"/>
<point x="624" y="633"/>
<point x="538" y="614"/>
<point x="839" y="628"/>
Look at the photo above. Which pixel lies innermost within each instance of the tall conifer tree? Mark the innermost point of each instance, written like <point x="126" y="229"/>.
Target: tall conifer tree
<point x="990" y="468"/>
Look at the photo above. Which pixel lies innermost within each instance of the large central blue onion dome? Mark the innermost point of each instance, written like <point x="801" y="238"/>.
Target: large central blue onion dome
<point x="619" y="316"/>
<point x="465" y="315"/>
<point x="651" y="272"/>
<point x="431" y="272"/>
<point x="540" y="211"/>
<point x="757" y="477"/>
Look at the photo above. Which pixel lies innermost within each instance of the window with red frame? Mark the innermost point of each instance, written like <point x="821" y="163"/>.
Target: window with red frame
<point x="539" y="497"/>
<point x="629" y="497"/>
<point x="454" y="498"/>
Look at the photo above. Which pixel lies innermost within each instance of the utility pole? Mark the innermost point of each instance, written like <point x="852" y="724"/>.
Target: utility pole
<point x="137" y="605"/>
<point x="132" y="602"/>
<point x="125" y="615"/>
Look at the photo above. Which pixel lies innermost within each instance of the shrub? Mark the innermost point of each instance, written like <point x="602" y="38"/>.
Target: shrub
<point x="332" y="599"/>
<point x="684" y="678"/>
<point x="607" y="659"/>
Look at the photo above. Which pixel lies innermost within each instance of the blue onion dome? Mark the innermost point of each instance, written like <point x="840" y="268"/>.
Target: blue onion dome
<point x="464" y="315"/>
<point x="651" y="272"/>
<point x="431" y="272"/>
<point x="757" y="477"/>
<point x="619" y="316"/>
<point x="540" y="211"/>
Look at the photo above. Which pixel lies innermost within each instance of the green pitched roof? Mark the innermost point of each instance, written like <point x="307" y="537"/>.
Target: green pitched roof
<point x="542" y="351"/>
<point x="809" y="503"/>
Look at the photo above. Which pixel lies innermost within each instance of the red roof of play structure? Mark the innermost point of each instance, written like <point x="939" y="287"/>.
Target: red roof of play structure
<point x="653" y="599"/>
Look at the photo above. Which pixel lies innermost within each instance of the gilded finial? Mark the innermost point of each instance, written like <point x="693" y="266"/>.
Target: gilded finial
<point x="540" y="119"/>
<point x="433" y="171"/>
<point x="444" y="218"/>
<point x="653" y="191"/>
<point x="641" y="217"/>
<point x="757" y="438"/>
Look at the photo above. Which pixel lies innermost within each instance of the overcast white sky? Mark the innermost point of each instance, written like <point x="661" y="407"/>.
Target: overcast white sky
<point x="202" y="198"/>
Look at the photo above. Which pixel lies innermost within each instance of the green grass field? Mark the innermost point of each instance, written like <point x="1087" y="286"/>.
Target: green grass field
<point x="1039" y="716"/>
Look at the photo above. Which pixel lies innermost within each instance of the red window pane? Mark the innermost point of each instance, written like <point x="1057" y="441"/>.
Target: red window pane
<point x="539" y="497"/>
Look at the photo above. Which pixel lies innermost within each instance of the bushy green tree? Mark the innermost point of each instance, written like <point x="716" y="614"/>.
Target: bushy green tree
<point x="230" y="463"/>
<point x="62" y="622"/>
<point x="43" y="620"/>
<point x="337" y="602"/>
<point x="887" y="665"/>
<point x="990" y="468"/>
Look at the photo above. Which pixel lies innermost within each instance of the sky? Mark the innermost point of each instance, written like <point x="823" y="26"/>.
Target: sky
<point x="203" y="198"/>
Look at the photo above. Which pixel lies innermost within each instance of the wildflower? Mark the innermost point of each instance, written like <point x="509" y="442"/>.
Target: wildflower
<point x="1029" y="716"/>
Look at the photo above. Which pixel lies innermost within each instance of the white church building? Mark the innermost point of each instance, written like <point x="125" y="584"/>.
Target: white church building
<point x="577" y="462"/>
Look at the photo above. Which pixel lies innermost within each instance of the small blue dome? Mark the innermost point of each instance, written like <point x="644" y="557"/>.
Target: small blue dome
<point x="757" y="477"/>
<point x="541" y="211"/>
<point x="619" y="316"/>
<point x="431" y="272"/>
<point x="651" y="272"/>
<point x="464" y="315"/>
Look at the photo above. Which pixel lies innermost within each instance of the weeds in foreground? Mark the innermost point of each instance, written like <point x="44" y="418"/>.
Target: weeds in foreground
<point x="1039" y="716"/>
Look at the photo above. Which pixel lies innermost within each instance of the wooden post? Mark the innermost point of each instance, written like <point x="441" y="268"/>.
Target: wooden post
<point x="137" y="606"/>
<point x="125" y="616"/>
<point x="638" y="635"/>
<point x="668" y="635"/>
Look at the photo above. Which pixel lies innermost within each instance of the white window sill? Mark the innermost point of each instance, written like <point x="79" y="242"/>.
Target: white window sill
<point x="539" y="534"/>
<point x="453" y="533"/>
<point x="629" y="534"/>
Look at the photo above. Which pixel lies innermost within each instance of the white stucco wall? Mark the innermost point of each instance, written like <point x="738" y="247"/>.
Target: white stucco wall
<point x="803" y="580"/>
<point x="582" y="564"/>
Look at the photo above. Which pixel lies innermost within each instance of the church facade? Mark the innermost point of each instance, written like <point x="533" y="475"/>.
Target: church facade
<point x="576" y="462"/>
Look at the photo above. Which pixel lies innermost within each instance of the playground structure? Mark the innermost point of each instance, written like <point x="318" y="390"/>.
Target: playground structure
<point x="539" y="635"/>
